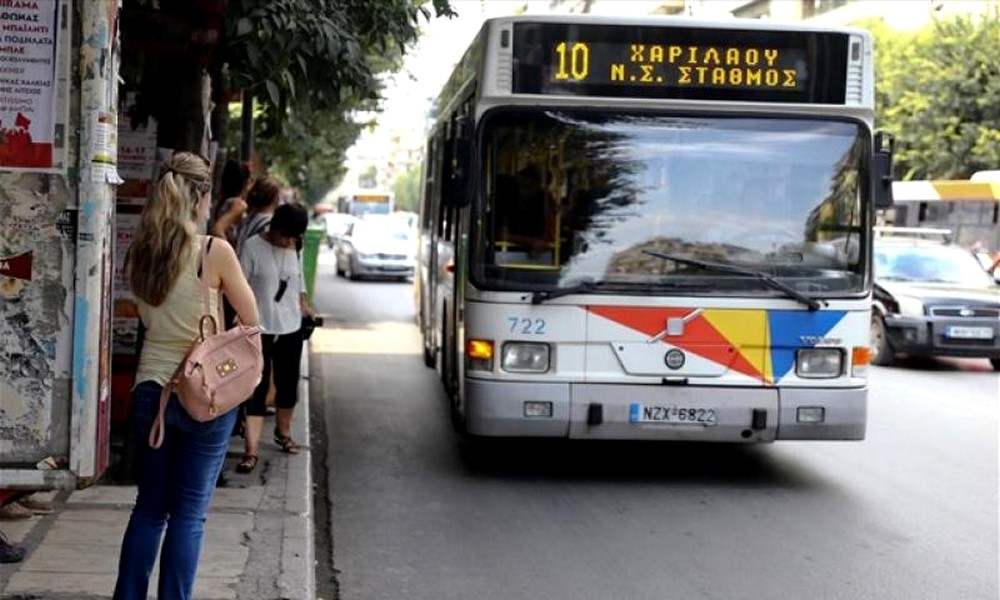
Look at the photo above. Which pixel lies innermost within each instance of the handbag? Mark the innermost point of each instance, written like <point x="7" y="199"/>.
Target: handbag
<point x="217" y="374"/>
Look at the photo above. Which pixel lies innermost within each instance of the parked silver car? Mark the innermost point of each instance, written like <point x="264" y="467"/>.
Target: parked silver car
<point x="377" y="247"/>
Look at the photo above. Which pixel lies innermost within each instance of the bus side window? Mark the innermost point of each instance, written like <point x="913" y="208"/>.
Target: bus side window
<point x="430" y="179"/>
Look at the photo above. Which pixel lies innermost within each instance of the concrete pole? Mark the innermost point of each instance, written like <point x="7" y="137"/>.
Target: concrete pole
<point x="91" y="368"/>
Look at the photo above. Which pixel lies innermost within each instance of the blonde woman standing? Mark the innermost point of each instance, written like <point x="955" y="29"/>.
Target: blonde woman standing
<point x="164" y="266"/>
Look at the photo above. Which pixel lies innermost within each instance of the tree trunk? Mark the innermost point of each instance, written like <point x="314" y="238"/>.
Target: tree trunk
<point x="182" y="121"/>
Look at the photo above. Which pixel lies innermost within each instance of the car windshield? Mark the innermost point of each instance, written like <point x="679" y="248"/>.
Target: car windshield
<point x="584" y="196"/>
<point x="929" y="264"/>
<point x="380" y="232"/>
<point x="337" y="223"/>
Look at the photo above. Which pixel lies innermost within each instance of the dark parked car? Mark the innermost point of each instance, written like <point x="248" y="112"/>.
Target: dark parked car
<point x="933" y="298"/>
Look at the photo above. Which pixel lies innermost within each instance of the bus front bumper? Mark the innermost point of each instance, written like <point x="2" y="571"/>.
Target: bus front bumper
<point x="606" y="411"/>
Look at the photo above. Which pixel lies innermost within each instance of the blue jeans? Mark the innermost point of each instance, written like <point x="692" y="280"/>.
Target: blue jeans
<point x="176" y="482"/>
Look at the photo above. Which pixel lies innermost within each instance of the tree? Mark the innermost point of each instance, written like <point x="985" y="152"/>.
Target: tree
<point x="938" y="92"/>
<point x="406" y="190"/>
<point x="309" y="64"/>
<point x="318" y="55"/>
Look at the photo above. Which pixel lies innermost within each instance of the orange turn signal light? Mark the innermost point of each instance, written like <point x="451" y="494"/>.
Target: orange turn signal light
<point x="480" y="349"/>
<point x="861" y="356"/>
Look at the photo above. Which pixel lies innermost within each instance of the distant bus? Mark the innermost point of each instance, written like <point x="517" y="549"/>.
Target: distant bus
<point x="653" y="229"/>
<point x="969" y="208"/>
<point x="367" y="202"/>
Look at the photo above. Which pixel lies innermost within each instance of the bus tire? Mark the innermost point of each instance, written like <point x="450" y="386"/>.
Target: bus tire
<point x="430" y="360"/>
<point x="457" y="418"/>
<point x="878" y="339"/>
<point x="444" y="348"/>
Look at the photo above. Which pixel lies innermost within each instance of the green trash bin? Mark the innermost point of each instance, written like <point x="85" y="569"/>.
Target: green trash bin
<point x="310" y="255"/>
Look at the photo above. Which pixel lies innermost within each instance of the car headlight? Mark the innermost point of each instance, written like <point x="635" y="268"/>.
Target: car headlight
<point x="819" y="363"/>
<point x="910" y="306"/>
<point x="525" y="357"/>
<point x="364" y="256"/>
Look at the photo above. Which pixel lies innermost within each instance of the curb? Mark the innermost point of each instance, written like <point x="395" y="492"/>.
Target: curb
<point x="297" y="578"/>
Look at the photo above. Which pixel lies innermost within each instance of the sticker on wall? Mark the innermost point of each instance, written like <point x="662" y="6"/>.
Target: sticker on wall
<point x="16" y="267"/>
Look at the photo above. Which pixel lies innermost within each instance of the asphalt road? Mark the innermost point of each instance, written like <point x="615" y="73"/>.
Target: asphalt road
<point x="910" y="513"/>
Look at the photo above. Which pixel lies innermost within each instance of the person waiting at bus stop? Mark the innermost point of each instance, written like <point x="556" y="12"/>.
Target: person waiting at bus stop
<point x="272" y="266"/>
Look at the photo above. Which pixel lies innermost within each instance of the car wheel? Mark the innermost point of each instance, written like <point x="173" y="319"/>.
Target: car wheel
<point x="878" y="340"/>
<point x="996" y="363"/>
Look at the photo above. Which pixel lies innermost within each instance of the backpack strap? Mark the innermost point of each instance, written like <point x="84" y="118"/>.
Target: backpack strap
<point x="206" y="246"/>
<point x="157" y="431"/>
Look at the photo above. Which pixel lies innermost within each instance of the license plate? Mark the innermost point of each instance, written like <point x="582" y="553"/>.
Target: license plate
<point x="674" y="415"/>
<point x="970" y="333"/>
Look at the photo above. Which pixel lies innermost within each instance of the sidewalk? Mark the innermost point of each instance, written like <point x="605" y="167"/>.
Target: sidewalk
<point x="258" y="538"/>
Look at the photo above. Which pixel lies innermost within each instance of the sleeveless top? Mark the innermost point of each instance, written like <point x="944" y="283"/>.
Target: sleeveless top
<point x="172" y="327"/>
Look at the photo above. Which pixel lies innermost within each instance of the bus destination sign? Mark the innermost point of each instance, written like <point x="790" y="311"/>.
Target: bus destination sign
<point x="680" y="62"/>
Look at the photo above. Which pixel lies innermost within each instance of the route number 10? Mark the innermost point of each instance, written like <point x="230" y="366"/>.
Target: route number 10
<point x="578" y="58"/>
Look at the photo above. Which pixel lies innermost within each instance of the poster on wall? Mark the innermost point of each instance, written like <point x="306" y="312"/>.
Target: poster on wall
<point x="125" y="317"/>
<point x="136" y="156"/>
<point x="28" y="84"/>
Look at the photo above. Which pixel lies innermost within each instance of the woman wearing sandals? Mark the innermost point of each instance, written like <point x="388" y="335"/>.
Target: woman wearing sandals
<point x="272" y="266"/>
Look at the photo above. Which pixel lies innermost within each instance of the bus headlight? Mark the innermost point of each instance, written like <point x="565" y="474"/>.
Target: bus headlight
<point x="525" y="357"/>
<point x="819" y="363"/>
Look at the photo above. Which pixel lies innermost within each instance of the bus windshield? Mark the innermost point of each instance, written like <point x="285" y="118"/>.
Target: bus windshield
<point x="585" y="196"/>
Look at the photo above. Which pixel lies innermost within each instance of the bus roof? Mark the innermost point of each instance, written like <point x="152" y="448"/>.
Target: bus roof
<point x="575" y="59"/>
<point x="674" y="21"/>
<point x="945" y="190"/>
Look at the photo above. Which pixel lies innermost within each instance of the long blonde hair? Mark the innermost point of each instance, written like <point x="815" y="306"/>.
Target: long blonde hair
<point x="167" y="228"/>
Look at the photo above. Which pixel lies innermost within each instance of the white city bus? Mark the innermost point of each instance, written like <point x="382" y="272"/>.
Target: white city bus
<point x="653" y="229"/>
<point x="366" y="202"/>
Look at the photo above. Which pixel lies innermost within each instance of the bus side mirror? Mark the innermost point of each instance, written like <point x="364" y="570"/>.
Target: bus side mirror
<point x="456" y="189"/>
<point x="882" y="170"/>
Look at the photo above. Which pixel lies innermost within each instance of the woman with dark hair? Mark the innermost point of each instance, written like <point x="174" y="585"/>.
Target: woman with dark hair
<point x="262" y="200"/>
<point x="273" y="268"/>
<point x="236" y="182"/>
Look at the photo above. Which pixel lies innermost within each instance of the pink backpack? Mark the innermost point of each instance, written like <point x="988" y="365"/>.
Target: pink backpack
<point x="218" y="373"/>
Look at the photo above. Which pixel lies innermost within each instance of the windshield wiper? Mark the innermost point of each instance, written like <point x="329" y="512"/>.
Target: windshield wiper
<point x="589" y="285"/>
<point x="812" y="303"/>
<point x="586" y="285"/>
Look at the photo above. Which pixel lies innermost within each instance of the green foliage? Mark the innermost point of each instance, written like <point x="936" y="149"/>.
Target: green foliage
<point x="938" y="92"/>
<point x="406" y="190"/>
<point x="310" y="65"/>
<point x="310" y="153"/>
<point x="318" y="55"/>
